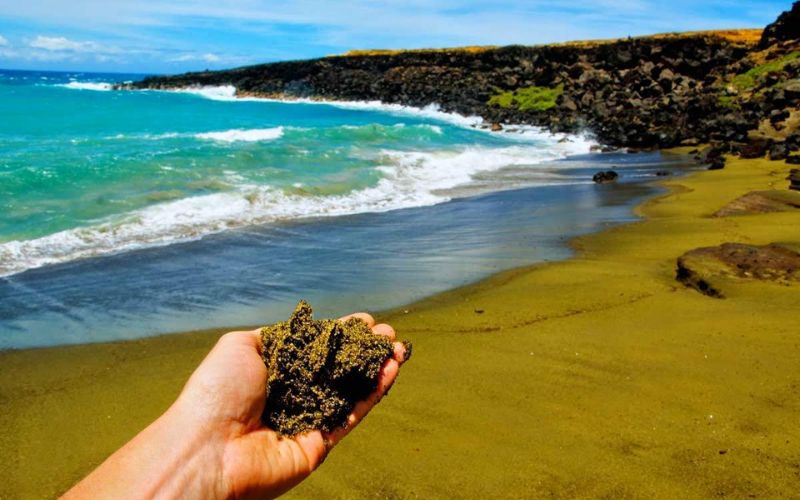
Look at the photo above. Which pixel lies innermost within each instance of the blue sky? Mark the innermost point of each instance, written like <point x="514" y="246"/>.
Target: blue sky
<point x="168" y="36"/>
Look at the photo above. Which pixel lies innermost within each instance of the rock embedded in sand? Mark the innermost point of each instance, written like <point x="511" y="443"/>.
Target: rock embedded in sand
<point x="794" y="179"/>
<point x="706" y="268"/>
<point x="761" y="202"/>
<point x="318" y="370"/>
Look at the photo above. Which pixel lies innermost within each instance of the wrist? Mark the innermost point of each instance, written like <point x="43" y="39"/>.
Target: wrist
<point x="171" y="458"/>
<point x="189" y="456"/>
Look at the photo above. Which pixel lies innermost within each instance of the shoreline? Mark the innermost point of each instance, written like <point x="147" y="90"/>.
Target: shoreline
<point x="553" y="249"/>
<point x="571" y="244"/>
<point x="68" y="244"/>
<point x="537" y="224"/>
<point x="135" y="311"/>
<point x="229" y="93"/>
<point x="618" y="370"/>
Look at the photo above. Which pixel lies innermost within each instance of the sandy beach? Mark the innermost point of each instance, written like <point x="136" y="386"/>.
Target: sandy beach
<point x="599" y="376"/>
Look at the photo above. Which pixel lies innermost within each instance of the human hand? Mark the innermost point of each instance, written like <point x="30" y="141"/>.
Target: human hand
<point x="212" y="443"/>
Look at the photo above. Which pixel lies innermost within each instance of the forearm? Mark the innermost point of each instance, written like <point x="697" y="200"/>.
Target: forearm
<point x="174" y="457"/>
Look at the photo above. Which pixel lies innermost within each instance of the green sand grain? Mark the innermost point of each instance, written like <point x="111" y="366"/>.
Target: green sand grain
<point x="319" y="370"/>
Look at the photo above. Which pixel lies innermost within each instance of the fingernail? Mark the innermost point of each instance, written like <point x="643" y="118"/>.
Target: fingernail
<point x="407" y="347"/>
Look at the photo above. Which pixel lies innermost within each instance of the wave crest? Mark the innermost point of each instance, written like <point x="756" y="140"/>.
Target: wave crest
<point x="97" y="86"/>
<point x="243" y="135"/>
<point x="408" y="179"/>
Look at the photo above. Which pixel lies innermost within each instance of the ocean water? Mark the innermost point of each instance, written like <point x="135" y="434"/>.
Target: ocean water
<point x="124" y="214"/>
<point x="85" y="171"/>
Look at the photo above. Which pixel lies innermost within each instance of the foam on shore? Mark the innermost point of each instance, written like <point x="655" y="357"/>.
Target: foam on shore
<point x="97" y="86"/>
<point x="408" y="179"/>
<point x="243" y="135"/>
<point x="432" y="112"/>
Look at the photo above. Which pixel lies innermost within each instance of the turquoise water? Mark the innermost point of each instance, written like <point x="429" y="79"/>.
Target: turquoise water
<point x="86" y="171"/>
<point x="127" y="214"/>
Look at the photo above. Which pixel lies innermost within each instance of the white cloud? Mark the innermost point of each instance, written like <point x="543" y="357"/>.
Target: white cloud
<point x="356" y="23"/>
<point x="49" y="49"/>
<point x="59" y="43"/>
<point x="207" y="57"/>
<point x="173" y="34"/>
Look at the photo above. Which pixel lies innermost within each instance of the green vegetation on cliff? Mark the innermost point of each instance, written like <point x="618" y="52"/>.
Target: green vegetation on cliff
<point x="750" y="78"/>
<point x="727" y="101"/>
<point x="528" y="98"/>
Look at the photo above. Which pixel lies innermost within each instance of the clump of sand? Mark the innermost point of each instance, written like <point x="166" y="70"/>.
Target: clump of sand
<point x="318" y="370"/>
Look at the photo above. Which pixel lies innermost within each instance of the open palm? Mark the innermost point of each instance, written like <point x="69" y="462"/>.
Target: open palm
<point x="227" y="392"/>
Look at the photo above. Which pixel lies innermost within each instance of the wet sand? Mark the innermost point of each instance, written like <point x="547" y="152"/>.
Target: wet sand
<point x="370" y="261"/>
<point x="596" y="376"/>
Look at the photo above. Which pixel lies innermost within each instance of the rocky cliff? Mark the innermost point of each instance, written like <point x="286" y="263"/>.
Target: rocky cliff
<point x="736" y="89"/>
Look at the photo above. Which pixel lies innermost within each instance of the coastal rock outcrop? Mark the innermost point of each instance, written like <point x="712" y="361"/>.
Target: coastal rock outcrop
<point x="643" y="93"/>
<point x="786" y="27"/>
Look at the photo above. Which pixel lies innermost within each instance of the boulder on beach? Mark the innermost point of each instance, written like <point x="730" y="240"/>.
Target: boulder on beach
<point x="711" y="156"/>
<point x="605" y="177"/>
<point x="794" y="179"/>
<point x="710" y="269"/>
<point x="778" y="151"/>
<point x="755" y="148"/>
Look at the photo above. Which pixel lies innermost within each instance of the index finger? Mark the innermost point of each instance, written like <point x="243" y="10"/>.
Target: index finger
<point x="365" y="317"/>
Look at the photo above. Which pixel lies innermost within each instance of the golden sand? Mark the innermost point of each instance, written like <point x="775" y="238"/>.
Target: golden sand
<point x="597" y="376"/>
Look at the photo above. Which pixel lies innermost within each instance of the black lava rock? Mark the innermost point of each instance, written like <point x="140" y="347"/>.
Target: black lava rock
<point x="605" y="177"/>
<point x="786" y="27"/>
<point x="778" y="151"/>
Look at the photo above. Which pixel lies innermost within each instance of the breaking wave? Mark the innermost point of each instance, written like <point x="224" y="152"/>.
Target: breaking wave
<point x="98" y="86"/>
<point x="243" y="135"/>
<point x="408" y="179"/>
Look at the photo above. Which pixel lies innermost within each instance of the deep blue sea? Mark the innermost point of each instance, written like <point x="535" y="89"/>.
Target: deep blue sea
<point x="133" y="213"/>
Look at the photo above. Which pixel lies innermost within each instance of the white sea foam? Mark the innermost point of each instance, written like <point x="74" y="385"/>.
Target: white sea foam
<point x="431" y="112"/>
<point x="221" y="93"/>
<point x="244" y="135"/>
<point x="409" y="179"/>
<point x="99" y="86"/>
<point x="268" y="134"/>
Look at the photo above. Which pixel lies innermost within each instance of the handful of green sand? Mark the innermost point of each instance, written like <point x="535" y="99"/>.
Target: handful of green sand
<point x="319" y="370"/>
